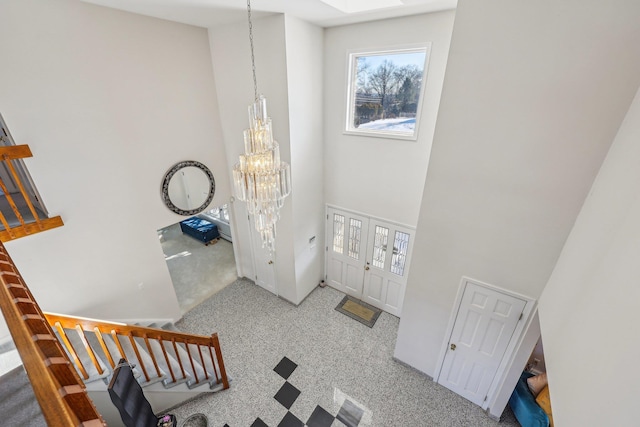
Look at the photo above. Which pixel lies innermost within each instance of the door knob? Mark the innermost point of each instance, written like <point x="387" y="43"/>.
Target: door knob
<point x="270" y="262"/>
<point x="453" y="346"/>
<point x="366" y="268"/>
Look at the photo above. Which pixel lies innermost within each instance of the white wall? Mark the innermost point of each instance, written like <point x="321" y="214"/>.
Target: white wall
<point x="108" y="101"/>
<point x="234" y="82"/>
<point x="304" y="43"/>
<point x="288" y="55"/>
<point x="533" y="97"/>
<point x="379" y="176"/>
<point x="589" y="308"/>
<point x="537" y="354"/>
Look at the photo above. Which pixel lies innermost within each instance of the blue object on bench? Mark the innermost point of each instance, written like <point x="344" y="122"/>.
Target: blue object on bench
<point x="200" y="229"/>
<point x="524" y="405"/>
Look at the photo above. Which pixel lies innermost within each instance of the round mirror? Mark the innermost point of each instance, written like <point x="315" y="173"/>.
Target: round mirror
<point x="188" y="188"/>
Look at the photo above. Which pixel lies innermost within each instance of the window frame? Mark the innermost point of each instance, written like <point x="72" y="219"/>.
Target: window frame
<point x="352" y="76"/>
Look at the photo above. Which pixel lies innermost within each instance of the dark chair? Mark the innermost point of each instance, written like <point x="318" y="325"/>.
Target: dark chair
<point x="126" y="394"/>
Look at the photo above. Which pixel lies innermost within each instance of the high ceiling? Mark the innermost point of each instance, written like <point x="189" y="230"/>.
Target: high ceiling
<point x="211" y="13"/>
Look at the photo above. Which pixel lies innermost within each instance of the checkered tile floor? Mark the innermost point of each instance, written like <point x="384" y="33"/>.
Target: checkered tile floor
<point x="349" y="414"/>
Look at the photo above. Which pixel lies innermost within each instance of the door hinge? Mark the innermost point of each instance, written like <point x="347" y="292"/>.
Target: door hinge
<point x="327" y="216"/>
<point x="326" y="249"/>
<point x="485" y="398"/>
<point x="520" y="318"/>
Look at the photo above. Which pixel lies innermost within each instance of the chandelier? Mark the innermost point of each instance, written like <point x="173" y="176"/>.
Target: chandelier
<point x="260" y="178"/>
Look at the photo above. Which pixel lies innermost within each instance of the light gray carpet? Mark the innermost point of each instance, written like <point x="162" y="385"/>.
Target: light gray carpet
<point x="197" y="271"/>
<point x="336" y="357"/>
<point x="18" y="404"/>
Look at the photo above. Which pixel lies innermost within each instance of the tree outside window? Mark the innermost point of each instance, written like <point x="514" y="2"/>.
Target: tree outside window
<point x="385" y="92"/>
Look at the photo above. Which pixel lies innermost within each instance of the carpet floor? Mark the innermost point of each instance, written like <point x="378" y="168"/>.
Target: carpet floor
<point x="18" y="405"/>
<point x="197" y="271"/>
<point x="337" y="372"/>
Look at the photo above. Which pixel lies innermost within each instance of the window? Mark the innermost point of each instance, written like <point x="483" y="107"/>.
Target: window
<point x="220" y="212"/>
<point x="338" y="233"/>
<point x="380" y="246"/>
<point x="385" y="92"/>
<point x="355" y="233"/>
<point x="400" y="248"/>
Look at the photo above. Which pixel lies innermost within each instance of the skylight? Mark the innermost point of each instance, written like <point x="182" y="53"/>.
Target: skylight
<point x="355" y="6"/>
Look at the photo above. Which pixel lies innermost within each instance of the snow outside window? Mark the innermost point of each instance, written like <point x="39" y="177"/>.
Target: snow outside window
<point x="385" y="91"/>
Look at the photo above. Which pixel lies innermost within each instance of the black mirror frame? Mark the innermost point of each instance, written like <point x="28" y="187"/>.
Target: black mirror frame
<point x="165" y="187"/>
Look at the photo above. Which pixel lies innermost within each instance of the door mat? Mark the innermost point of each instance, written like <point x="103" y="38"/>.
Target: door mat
<point x="358" y="310"/>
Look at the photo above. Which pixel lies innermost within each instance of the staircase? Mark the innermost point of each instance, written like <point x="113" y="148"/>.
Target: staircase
<point x="68" y="362"/>
<point x="60" y="392"/>
<point x="22" y="212"/>
<point x="171" y="366"/>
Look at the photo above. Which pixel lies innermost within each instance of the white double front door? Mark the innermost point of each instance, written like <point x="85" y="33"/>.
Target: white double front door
<point x="368" y="258"/>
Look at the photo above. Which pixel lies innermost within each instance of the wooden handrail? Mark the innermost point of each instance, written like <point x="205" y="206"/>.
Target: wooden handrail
<point x="130" y="332"/>
<point x="12" y="152"/>
<point x="56" y="385"/>
<point x="7" y="155"/>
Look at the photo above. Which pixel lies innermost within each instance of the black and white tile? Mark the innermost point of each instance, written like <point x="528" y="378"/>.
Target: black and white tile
<point x="339" y="372"/>
<point x="349" y="414"/>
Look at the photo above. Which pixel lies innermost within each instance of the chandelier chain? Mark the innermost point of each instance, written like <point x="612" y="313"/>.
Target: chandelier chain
<point x="260" y="178"/>
<point x="253" y="60"/>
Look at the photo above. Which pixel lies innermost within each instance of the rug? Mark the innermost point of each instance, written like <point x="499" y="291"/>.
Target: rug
<point x="358" y="310"/>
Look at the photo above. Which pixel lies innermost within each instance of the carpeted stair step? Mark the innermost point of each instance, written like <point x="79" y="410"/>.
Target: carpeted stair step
<point x="214" y="383"/>
<point x="147" y="324"/>
<point x="75" y="340"/>
<point x="156" y="347"/>
<point x="18" y="404"/>
<point x="170" y="326"/>
<point x="132" y="358"/>
<point x="185" y="359"/>
<point x="113" y="351"/>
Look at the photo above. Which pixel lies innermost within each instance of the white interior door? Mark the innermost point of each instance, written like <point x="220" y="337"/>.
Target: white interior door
<point x="387" y="265"/>
<point x="346" y="251"/>
<point x="263" y="262"/>
<point x="482" y="331"/>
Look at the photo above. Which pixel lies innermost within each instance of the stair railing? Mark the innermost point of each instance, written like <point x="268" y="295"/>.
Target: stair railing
<point x="58" y="388"/>
<point x="7" y="155"/>
<point x="200" y="348"/>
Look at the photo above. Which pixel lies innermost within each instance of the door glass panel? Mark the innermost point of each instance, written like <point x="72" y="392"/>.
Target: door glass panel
<point x="380" y="246"/>
<point x="338" y="233"/>
<point x="355" y="231"/>
<point x="399" y="257"/>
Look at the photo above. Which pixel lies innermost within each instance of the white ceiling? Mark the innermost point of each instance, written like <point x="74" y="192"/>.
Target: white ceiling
<point x="211" y="13"/>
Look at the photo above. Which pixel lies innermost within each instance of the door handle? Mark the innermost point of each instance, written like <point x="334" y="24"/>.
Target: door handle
<point x="453" y="346"/>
